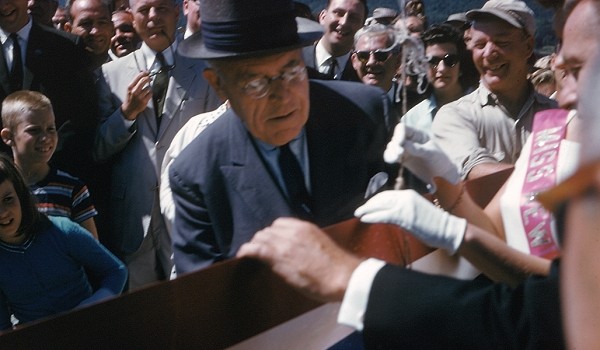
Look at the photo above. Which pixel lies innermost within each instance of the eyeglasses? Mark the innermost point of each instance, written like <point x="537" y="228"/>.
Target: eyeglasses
<point x="449" y="61"/>
<point x="380" y="55"/>
<point x="260" y="87"/>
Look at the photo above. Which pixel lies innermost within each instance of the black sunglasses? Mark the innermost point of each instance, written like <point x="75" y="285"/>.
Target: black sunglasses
<point x="380" y="55"/>
<point x="449" y="60"/>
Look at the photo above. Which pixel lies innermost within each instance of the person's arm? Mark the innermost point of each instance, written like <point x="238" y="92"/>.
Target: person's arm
<point x="481" y="241"/>
<point x="5" y="323"/>
<point x="82" y="208"/>
<point x="194" y="243"/>
<point x="412" y="310"/>
<point x="407" y="309"/>
<point x="117" y="120"/>
<point x="94" y="257"/>
<point x="90" y="225"/>
<point x="440" y="229"/>
<point x="483" y="169"/>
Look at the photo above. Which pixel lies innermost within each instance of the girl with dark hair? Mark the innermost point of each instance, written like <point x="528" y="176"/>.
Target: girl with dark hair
<point x="44" y="258"/>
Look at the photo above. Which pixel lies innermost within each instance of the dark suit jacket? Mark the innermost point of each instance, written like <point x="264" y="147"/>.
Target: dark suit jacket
<point x="412" y="310"/>
<point x="308" y="54"/>
<point x="57" y="65"/>
<point x="224" y="193"/>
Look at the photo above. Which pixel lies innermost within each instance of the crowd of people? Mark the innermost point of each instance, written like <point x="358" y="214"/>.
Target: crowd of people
<point x="157" y="151"/>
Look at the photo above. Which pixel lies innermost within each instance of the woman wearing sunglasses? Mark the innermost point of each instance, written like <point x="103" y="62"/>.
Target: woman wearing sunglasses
<point x="446" y="54"/>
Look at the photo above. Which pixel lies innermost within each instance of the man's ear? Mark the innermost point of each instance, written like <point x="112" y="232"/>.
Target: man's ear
<point x="530" y="41"/>
<point x="215" y="82"/>
<point x="322" y="16"/>
<point x="7" y="136"/>
<point x="68" y="26"/>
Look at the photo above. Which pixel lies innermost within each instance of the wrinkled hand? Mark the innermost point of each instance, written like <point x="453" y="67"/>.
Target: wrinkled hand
<point x="139" y="93"/>
<point x="422" y="156"/>
<point x="409" y="210"/>
<point x="304" y="256"/>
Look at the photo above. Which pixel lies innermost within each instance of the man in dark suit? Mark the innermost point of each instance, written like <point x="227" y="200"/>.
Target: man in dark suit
<point x="237" y="176"/>
<point x="329" y="58"/>
<point x="54" y="63"/>
<point x="91" y="20"/>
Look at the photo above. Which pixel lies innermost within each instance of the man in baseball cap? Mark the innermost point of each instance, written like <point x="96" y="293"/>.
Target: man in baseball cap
<point x="483" y="132"/>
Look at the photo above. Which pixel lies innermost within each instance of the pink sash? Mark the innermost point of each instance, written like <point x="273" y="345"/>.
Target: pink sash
<point x="549" y="128"/>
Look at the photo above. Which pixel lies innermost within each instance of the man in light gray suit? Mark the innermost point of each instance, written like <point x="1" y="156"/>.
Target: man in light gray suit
<point x="145" y="98"/>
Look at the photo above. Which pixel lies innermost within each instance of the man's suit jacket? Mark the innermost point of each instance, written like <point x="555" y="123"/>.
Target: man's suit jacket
<point x="57" y="65"/>
<point x="224" y="193"/>
<point x="412" y="310"/>
<point x="309" y="56"/>
<point x="137" y="152"/>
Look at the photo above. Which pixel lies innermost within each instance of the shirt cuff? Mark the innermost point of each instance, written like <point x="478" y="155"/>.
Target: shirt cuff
<point x="354" y="305"/>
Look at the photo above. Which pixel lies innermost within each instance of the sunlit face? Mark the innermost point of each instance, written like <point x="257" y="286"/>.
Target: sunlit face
<point x="60" y="18"/>
<point x="13" y="15"/>
<point x="155" y="22"/>
<point x="280" y="115"/>
<point x="34" y="138"/>
<point x="10" y="214"/>
<point x="580" y="43"/>
<point x="443" y="76"/>
<point x="191" y="10"/>
<point x="373" y="71"/>
<point x="500" y="53"/>
<point x="341" y="20"/>
<point x="125" y="39"/>
<point x="91" y="20"/>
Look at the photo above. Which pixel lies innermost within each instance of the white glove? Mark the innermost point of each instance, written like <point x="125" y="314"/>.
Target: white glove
<point x="409" y="210"/>
<point x="422" y="156"/>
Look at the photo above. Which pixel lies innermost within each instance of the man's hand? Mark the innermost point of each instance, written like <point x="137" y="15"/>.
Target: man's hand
<point x="139" y="93"/>
<point x="414" y="150"/>
<point x="411" y="211"/>
<point x="305" y="257"/>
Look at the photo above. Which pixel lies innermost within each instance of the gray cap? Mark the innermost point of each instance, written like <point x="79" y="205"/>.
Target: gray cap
<point x="384" y="12"/>
<point x="458" y="17"/>
<point x="514" y="12"/>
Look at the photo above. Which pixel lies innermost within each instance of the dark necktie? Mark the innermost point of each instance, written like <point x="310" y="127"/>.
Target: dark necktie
<point x="16" y="71"/>
<point x="329" y="68"/>
<point x="159" y="87"/>
<point x="294" y="182"/>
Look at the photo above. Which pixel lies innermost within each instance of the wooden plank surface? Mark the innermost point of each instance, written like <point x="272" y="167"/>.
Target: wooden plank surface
<point x="210" y="309"/>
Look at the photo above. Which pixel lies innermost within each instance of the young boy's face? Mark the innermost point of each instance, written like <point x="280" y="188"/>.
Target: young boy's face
<point x="35" y="138"/>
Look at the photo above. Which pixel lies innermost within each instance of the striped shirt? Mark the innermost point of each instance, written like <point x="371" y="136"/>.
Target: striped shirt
<point x="61" y="194"/>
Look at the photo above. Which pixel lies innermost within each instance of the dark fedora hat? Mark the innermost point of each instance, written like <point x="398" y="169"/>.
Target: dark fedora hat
<point x="244" y="28"/>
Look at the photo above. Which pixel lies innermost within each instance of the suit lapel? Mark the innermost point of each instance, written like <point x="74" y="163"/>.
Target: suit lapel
<point x="4" y="72"/>
<point x="249" y="177"/>
<point x="179" y="84"/>
<point x="33" y="51"/>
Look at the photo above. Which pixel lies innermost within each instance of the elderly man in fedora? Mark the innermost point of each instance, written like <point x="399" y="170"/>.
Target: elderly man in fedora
<point x="287" y="146"/>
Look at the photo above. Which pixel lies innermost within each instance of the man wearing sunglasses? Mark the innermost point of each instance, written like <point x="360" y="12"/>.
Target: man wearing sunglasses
<point x="485" y="131"/>
<point x="376" y="55"/>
